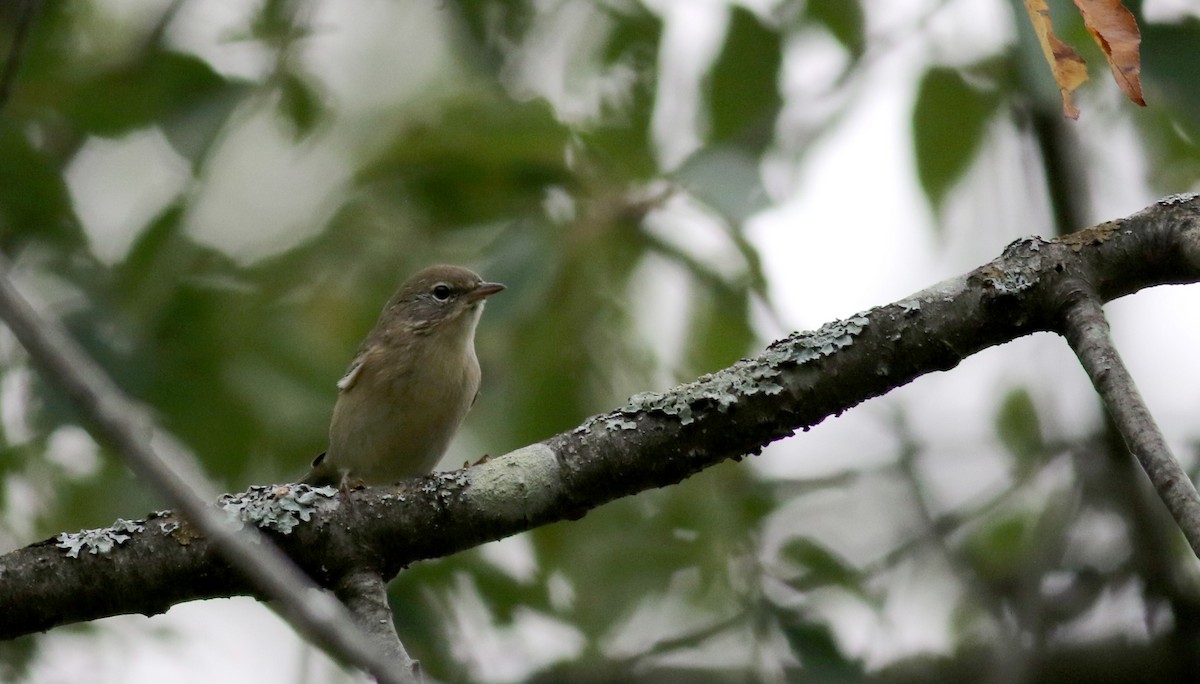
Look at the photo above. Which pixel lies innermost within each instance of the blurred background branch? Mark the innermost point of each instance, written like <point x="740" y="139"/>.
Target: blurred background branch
<point x="25" y="10"/>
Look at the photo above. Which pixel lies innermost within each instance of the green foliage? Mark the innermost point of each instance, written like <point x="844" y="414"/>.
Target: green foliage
<point x="153" y="88"/>
<point x="815" y="643"/>
<point x="744" y="88"/>
<point x="819" y="566"/>
<point x="996" y="550"/>
<point x="844" y="19"/>
<point x="300" y="103"/>
<point x="33" y="195"/>
<point x="1019" y="430"/>
<point x="949" y="120"/>
<point x="1171" y="126"/>
<point x="499" y="163"/>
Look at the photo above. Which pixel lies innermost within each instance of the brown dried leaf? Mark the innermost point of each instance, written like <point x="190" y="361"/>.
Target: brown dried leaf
<point x="1116" y="32"/>
<point x="1068" y="67"/>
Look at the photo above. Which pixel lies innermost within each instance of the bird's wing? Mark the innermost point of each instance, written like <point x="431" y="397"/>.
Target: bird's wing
<point x="322" y="473"/>
<point x="352" y="373"/>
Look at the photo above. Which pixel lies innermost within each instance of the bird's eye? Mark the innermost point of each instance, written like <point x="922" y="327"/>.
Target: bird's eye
<point x="441" y="292"/>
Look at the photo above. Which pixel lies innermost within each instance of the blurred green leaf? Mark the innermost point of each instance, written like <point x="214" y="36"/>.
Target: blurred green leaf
<point x="949" y="120"/>
<point x="148" y="276"/>
<point x="727" y="178"/>
<point x="1019" y="430"/>
<point x="819" y="566"/>
<point x="744" y="96"/>
<point x="16" y="655"/>
<point x="300" y="104"/>
<point x="494" y="26"/>
<point x="816" y="647"/>
<point x="480" y="160"/>
<point x="844" y="19"/>
<point x="34" y="203"/>
<point x="720" y="330"/>
<point x="1169" y="63"/>
<point x="156" y="88"/>
<point x="996" y="548"/>
<point x="1171" y="124"/>
<point x="621" y="143"/>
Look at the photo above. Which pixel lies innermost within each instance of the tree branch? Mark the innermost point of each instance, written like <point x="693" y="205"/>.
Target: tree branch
<point x="653" y="441"/>
<point x="365" y="594"/>
<point x="1087" y="332"/>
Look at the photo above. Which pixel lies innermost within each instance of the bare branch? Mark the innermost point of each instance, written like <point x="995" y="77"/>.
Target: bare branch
<point x="1087" y="332"/>
<point x="365" y="594"/>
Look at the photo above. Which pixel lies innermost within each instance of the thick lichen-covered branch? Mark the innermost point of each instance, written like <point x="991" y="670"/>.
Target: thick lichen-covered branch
<point x="656" y="439"/>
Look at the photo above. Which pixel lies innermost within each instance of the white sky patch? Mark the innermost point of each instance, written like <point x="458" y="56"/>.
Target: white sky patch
<point x="1119" y="613"/>
<point x="691" y="229"/>
<point x="71" y="448"/>
<point x="560" y="591"/>
<point x="1098" y="540"/>
<point x="659" y="616"/>
<point x="877" y="507"/>
<point x="862" y="439"/>
<point x="1170" y="10"/>
<point x="967" y="31"/>
<point x="217" y="32"/>
<point x="693" y="33"/>
<point x="25" y="503"/>
<point x="380" y="56"/>
<point x="118" y="186"/>
<point x="263" y="193"/>
<point x="1111" y="141"/>
<point x="186" y="645"/>
<point x="14" y="405"/>
<point x="660" y="297"/>
<point x="1157" y="333"/>
<point x="855" y="230"/>
<point x="505" y="653"/>
<point x="921" y="599"/>
<point x="514" y="556"/>
<point x="560" y="60"/>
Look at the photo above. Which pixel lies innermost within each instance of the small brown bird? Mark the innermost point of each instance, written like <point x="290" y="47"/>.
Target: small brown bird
<point x="411" y="383"/>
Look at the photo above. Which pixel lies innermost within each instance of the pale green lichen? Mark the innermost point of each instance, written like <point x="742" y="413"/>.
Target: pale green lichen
<point x="757" y="375"/>
<point x="1178" y="198"/>
<point x="277" y="507"/>
<point x="802" y="347"/>
<point x="618" y="423"/>
<point x="1011" y="283"/>
<point x="101" y="541"/>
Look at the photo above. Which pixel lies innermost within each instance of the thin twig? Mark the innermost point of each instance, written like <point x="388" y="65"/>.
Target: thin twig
<point x="125" y="426"/>
<point x="25" y="13"/>
<point x="1087" y="331"/>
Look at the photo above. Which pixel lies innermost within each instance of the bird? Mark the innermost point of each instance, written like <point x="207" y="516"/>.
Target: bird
<point x="411" y="383"/>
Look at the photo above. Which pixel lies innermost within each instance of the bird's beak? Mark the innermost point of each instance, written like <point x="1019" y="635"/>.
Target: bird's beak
<point x="483" y="291"/>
